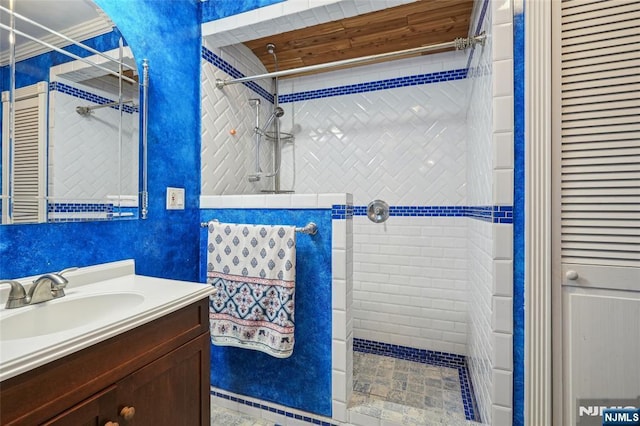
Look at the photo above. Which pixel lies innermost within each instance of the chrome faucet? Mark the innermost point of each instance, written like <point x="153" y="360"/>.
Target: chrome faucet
<point x="46" y="287"/>
<point x="17" y="296"/>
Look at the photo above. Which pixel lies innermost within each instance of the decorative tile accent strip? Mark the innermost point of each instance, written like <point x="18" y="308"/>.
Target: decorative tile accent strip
<point x="372" y="86"/>
<point x="441" y="359"/>
<point x="339" y="211"/>
<point x="468" y="396"/>
<point x="495" y="214"/>
<point x="502" y="214"/>
<point x="480" y="212"/>
<point x="263" y="405"/>
<point x="80" y="208"/>
<point x="427" y="210"/>
<point x="88" y="96"/>
<point x="233" y="72"/>
<point x="67" y="210"/>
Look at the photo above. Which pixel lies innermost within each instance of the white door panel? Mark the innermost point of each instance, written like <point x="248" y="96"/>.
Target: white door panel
<point x="602" y="346"/>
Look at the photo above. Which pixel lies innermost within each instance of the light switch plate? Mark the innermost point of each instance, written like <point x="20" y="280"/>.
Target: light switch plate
<point x="175" y="198"/>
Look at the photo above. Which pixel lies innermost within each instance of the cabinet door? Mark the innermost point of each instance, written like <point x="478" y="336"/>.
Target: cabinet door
<point x="173" y="390"/>
<point x="95" y="411"/>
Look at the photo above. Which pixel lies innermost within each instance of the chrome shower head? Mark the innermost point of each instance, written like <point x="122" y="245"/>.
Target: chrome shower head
<point x="271" y="49"/>
<point x="277" y="113"/>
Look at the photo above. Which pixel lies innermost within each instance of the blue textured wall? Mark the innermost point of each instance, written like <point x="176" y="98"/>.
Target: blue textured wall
<point x="302" y="381"/>
<point x="216" y="9"/>
<point x="166" y="244"/>
<point x="518" y="218"/>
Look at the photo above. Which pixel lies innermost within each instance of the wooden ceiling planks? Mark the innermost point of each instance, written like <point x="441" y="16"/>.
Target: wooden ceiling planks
<point x="416" y="24"/>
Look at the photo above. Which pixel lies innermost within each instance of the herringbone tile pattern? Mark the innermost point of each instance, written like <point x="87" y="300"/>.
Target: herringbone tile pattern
<point x="406" y="145"/>
<point x="83" y="151"/>
<point x="228" y="160"/>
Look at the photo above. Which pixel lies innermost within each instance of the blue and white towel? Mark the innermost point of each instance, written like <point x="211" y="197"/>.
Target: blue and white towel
<point x="253" y="268"/>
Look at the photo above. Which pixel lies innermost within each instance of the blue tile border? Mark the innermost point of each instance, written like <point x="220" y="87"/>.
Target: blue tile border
<point x="372" y="86"/>
<point x="56" y="86"/>
<point x="233" y="72"/>
<point x="424" y="356"/>
<point x="265" y="406"/>
<point x="80" y="208"/>
<point x="110" y="210"/>
<point x="341" y="211"/>
<point x="495" y="214"/>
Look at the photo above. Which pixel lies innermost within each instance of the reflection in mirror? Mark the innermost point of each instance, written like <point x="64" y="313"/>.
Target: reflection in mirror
<point x="71" y="115"/>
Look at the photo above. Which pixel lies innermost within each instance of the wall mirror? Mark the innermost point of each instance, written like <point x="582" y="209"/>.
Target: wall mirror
<point x="73" y="115"/>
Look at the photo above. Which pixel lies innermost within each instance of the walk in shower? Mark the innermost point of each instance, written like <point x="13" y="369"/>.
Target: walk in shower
<point x="420" y="134"/>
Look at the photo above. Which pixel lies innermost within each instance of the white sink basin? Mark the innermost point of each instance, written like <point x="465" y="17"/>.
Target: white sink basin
<point x="64" y="314"/>
<point x="101" y="301"/>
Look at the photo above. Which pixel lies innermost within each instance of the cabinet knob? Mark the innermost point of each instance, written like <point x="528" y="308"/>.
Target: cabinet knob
<point x="128" y="412"/>
<point x="572" y="275"/>
<point x="111" y="424"/>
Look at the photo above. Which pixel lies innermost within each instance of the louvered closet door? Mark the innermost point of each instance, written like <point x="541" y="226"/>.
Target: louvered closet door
<point x="598" y="201"/>
<point x="28" y="165"/>
<point x="28" y="185"/>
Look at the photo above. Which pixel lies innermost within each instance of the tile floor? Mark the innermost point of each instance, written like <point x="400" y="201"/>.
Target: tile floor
<point x="394" y="390"/>
<point x="406" y="392"/>
<point x="224" y="417"/>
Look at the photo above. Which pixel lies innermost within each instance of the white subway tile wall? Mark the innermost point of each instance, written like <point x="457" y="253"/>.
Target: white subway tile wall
<point x="490" y="181"/>
<point x="228" y="121"/>
<point x="410" y="285"/>
<point x="83" y="150"/>
<point x="480" y="346"/>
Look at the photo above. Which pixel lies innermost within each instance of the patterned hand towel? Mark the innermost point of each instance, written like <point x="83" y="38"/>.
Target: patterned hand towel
<point x="253" y="268"/>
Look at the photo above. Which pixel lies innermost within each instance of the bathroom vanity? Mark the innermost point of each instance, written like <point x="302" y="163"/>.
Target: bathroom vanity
<point x="146" y="363"/>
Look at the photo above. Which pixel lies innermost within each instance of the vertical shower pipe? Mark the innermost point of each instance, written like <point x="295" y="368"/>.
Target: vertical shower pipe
<point x="277" y="157"/>
<point x="256" y="102"/>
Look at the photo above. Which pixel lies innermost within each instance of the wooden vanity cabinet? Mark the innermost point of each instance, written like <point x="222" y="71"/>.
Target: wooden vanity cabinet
<point x="160" y="370"/>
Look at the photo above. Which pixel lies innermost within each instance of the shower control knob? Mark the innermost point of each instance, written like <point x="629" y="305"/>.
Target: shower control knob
<point x="572" y="275"/>
<point x="378" y="211"/>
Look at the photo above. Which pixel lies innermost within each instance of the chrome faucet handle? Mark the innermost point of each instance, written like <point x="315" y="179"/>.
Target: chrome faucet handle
<point x="17" y="296"/>
<point x="65" y="270"/>
<point x="57" y="287"/>
<point x="46" y="287"/>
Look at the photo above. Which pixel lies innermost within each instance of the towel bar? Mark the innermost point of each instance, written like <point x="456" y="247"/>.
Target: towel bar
<point x="310" y="228"/>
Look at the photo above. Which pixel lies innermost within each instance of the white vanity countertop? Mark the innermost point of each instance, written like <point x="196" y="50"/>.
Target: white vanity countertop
<point x="152" y="298"/>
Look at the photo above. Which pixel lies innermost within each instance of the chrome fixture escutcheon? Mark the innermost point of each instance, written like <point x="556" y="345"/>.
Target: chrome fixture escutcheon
<point x="378" y="211"/>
